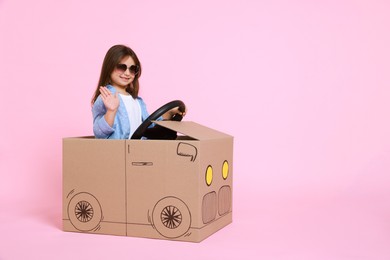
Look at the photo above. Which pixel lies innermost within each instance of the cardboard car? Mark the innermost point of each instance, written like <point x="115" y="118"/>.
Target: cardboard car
<point x="177" y="189"/>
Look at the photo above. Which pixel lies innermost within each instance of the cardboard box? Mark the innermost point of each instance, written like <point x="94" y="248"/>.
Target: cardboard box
<point x="166" y="189"/>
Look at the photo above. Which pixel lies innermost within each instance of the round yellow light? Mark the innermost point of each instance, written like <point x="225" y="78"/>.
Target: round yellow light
<point x="225" y="170"/>
<point x="209" y="175"/>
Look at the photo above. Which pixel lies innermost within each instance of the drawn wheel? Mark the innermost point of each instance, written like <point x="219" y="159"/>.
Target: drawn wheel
<point x="84" y="211"/>
<point x="171" y="217"/>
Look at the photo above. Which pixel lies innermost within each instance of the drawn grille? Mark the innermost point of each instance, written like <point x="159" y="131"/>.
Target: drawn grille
<point x="224" y="200"/>
<point x="209" y="207"/>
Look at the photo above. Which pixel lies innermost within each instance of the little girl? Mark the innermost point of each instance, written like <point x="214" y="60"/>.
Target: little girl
<point x="116" y="107"/>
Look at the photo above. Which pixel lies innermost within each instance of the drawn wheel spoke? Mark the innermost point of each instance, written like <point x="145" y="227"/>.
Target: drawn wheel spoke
<point x="171" y="217"/>
<point x="84" y="211"/>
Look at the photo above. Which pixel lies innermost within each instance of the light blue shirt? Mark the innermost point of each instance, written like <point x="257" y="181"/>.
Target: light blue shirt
<point x="121" y="126"/>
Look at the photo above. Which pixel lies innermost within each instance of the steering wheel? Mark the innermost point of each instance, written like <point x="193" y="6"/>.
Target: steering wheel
<point x="144" y="127"/>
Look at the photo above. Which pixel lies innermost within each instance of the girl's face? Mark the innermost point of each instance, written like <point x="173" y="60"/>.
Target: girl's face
<point x="124" y="73"/>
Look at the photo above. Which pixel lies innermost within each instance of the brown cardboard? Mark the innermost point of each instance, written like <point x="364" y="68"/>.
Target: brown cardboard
<point x="149" y="188"/>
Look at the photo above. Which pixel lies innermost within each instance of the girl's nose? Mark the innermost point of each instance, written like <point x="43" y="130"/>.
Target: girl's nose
<point x="127" y="71"/>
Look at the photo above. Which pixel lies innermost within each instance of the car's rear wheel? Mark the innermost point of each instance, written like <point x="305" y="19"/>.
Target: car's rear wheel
<point x="84" y="211"/>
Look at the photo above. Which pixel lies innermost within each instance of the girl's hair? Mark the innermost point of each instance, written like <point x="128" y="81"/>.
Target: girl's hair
<point x="112" y="58"/>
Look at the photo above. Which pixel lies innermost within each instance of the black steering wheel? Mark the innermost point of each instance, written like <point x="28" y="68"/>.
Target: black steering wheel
<point x="159" y="132"/>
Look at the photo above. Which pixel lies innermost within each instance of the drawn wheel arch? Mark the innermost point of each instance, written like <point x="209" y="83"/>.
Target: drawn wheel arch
<point x="84" y="211"/>
<point x="171" y="217"/>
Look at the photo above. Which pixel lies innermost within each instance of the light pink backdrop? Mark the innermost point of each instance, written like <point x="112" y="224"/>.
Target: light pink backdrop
<point x="304" y="87"/>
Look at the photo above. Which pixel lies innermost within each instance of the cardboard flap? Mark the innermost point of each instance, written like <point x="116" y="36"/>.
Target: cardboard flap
<point x="193" y="130"/>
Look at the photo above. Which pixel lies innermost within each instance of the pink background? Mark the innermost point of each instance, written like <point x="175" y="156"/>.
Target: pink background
<point x="303" y="86"/>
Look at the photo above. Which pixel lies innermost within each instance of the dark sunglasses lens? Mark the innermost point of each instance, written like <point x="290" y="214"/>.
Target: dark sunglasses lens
<point x="121" y="67"/>
<point x="134" y="69"/>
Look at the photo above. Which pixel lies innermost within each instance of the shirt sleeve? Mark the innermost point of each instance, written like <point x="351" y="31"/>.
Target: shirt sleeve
<point x="101" y="128"/>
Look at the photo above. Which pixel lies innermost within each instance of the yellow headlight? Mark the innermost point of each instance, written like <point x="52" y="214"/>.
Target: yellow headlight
<point x="225" y="170"/>
<point x="209" y="175"/>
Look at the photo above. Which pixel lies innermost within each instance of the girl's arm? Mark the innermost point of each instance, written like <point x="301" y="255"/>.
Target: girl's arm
<point x="168" y="115"/>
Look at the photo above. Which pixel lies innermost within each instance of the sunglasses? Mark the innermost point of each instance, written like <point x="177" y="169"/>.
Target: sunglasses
<point x="134" y="69"/>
